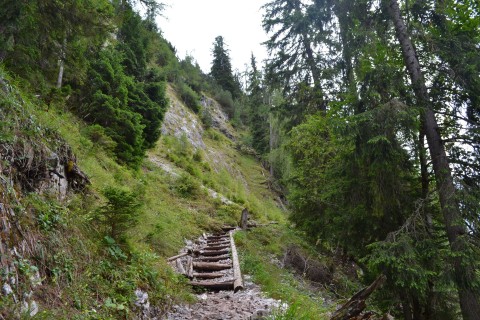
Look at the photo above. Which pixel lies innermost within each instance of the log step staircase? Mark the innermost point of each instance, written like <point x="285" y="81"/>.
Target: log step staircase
<point x="213" y="263"/>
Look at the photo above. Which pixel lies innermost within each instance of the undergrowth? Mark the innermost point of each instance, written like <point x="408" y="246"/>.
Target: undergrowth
<point x="96" y="247"/>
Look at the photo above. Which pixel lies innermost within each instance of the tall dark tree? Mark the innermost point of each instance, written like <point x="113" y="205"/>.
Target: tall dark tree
<point x="45" y="39"/>
<point x="465" y="273"/>
<point x="258" y="109"/>
<point x="296" y="63"/>
<point x="221" y="70"/>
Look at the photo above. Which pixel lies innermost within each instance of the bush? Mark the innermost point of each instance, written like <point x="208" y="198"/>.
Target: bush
<point x="119" y="213"/>
<point x="187" y="186"/>
<point x="188" y="96"/>
<point x="96" y="133"/>
<point x="225" y="99"/>
<point x="206" y="118"/>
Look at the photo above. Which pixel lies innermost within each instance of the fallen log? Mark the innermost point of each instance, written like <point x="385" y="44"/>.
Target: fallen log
<point x="228" y="228"/>
<point x="211" y="266"/>
<point x="208" y="275"/>
<point x="356" y="304"/>
<point x="214" y="258"/>
<point x="237" y="275"/>
<point x="226" y="285"/>
<point x="177" y="256"/>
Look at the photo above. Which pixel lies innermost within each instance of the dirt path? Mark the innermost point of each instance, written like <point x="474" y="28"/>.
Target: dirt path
<point x="249" y="303"/>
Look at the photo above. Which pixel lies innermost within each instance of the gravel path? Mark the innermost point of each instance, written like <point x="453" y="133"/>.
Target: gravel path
<point x="249" y="303"/>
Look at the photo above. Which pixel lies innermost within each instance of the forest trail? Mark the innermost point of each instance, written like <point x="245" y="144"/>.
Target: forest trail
<point x="211" y="263"/>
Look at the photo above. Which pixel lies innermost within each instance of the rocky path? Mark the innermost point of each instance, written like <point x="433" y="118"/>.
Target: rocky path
<point x="211" y="263"/>
<point x="249" y="303"/>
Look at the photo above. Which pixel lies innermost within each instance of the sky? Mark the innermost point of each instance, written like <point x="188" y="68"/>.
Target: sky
<point x="192" y="26"/>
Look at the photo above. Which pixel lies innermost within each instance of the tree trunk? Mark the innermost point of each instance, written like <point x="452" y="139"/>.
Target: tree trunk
<point x="423" y="160"/>
<point x="272" y="141"/>
<point x="454" y="224"/>
<point x="312" y="65"/>
<point x="422" y="155"/>
<point x="244" y="219"/>
<point x="61" y="63"/>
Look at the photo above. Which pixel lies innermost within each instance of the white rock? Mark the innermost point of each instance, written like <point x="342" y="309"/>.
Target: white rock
<point x="35" y="279"/>
<point x="6" y="289"/>
<point x="142" y="298"/>
<point x="33" y="308"/>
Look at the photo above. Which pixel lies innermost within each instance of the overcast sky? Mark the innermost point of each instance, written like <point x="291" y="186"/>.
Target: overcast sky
<point x="192" y="25"/>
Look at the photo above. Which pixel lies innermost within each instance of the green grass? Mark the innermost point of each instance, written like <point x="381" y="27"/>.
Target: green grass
<point x="89" y="278"/>
<point x="261" y="251"/>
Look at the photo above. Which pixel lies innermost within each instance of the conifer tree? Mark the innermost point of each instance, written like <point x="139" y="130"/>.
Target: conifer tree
<point x="221" y="70"/>
<point x="296" y="63"/>
<point x="258" y="117"/>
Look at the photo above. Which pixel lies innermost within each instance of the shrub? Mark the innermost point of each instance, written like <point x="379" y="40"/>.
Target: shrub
<point x="96" y="133"/>
<point x="188" y="96"/>
<point x="225" y="99"/>
<point x="119" y="213"/>
<point x="206" y="118"/>
<point x="187" y="186"/>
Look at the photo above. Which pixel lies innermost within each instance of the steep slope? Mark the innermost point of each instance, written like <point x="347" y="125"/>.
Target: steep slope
<point x="63" y="194"/>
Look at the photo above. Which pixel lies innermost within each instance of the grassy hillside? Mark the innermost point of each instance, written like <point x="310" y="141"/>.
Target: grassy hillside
<point x="180" y="191"/>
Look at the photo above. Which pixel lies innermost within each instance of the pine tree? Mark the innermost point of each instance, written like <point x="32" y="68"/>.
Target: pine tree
<point x="465" y="273"/>
<point x="221" y="70"/>
<point x="296" y="64"/>
<point x="258" y="117"/>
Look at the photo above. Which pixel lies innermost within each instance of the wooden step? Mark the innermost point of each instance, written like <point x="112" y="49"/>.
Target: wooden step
<point x="211" y="253"/>
<point x="211" y="266"/>
<point x="226" y="285"/>
<point x="218" y="247"/>
<point x="208" y="275"/>
<point x="217" y="243"/>
<point x="213" y="258"/>
<point x="225" y="236"/>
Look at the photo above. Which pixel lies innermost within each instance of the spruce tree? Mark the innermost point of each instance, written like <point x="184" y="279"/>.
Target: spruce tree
<point x="221" y="70"/>
<point x="258" y="117"/>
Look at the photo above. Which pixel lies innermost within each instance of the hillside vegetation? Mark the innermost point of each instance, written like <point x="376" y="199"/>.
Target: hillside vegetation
<point x="358" y="136"/>
<point x="82" y="252"/>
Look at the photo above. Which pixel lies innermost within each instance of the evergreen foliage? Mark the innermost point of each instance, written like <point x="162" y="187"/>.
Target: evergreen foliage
<point x="361" y="172"/>
<point x="37" y="34"/>
<point x="258" y="115"/>
<point x="107" y="104"/>
<point x="221" y="70"/>
<point x="119" y="214"/>
<point x="112" y="83"/>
